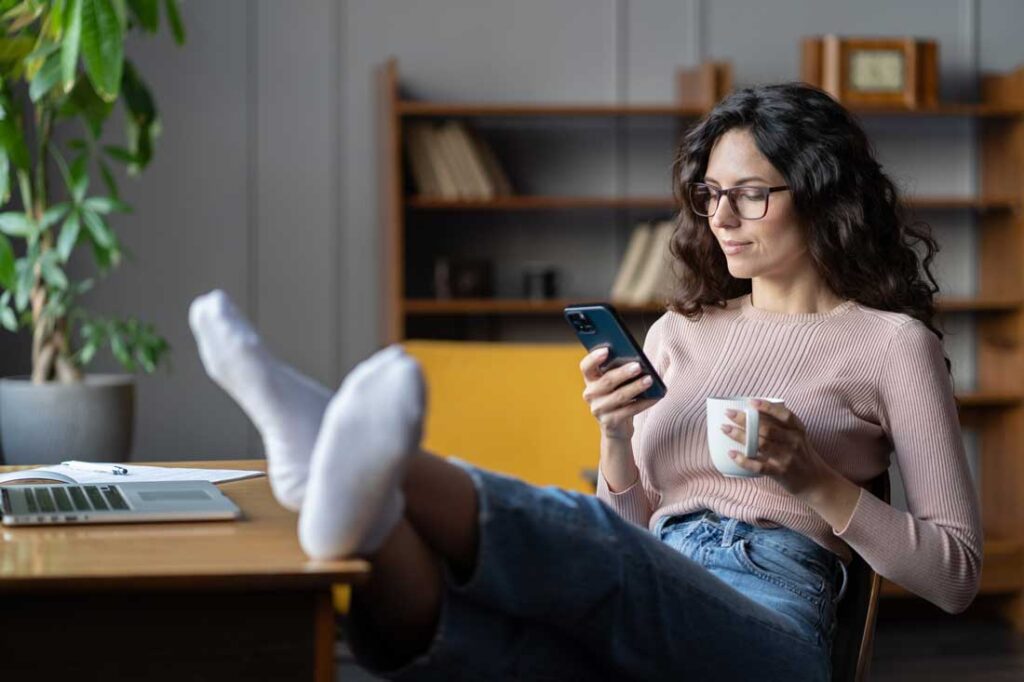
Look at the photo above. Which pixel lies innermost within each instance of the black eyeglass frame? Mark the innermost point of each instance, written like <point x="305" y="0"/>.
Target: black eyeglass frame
<point x="730" y="193"/>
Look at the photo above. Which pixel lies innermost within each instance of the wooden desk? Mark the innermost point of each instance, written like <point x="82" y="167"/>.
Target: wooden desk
<point x="218" y="600"/>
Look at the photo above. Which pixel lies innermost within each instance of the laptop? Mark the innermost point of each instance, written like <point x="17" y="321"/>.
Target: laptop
<point x="33" y="505"/>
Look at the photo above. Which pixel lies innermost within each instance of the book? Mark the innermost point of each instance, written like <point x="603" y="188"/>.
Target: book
<point x="448" y="160"/>
<point x="137" y="473"/>
<point x="480" y="183"/>
<point x="494" y="170"/>
<point x="635" y="254"/>
<point x="420" y="167"/>
<point x="447" y="185"/>
<point x="452" y="155"/>
<point x="654" y="279"/>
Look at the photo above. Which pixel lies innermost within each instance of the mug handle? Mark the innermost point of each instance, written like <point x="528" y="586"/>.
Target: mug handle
<point x="753" y="425"/>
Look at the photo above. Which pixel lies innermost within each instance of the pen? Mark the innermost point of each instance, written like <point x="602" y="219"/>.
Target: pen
<point x="99" y="468"/>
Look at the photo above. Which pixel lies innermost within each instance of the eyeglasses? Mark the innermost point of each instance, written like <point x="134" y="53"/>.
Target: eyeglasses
<point x="747" y="201"/>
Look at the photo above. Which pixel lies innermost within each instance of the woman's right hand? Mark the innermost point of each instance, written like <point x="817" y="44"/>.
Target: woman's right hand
<point x="612" y="394"/>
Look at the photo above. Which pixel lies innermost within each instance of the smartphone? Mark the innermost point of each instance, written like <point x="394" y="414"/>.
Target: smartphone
<point x="599" y="325"/>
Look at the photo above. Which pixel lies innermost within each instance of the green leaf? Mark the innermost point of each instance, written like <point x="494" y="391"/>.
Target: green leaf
<point x="108" y="179"/>
<point x="83" y="100"/>
<point x="72" y="43"/>
<point x="147" y="13"/>
<point x="6" y="264"/>
<point x="44" y="50"/>
<point x="23" y="282"/>
<point x="98" y="229"/>
<point x="174" y="18"/>
<point x="11" y="138"/>
<point x="86" y="354"/>
<point x="54" y="215"/>
<point x="9" y="320"/>
<point x="17" y="224"/>
<point x="46" y="79"/>
<point x="22" y="15"/>
<point x="5" y="176"/>
<point x="142" y="124"/>
<point x="102" y="47"/>
<point x="79" y="178"/>
<point x="52" y="272"/>
<point x="104" y="205"/>
<point x="68" y="236"/>
<point x="120" y="350"/>
<point x="17" y="48"/>
<point x="119" y="153"/>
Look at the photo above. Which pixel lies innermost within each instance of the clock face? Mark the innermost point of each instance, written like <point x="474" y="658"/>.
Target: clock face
<point x="877" y="70"/>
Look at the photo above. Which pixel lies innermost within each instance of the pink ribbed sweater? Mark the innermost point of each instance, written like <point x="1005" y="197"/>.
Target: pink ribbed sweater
<point x="865" y="383"/>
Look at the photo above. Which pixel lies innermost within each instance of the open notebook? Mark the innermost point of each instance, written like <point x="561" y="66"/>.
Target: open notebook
<point x="137" y="473"/>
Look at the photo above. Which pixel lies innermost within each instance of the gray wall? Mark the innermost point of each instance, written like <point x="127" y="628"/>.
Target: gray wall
<point x="264" y="181"/>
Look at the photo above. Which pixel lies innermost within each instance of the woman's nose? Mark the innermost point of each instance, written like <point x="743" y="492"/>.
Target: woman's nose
<point x="724" y="216"/>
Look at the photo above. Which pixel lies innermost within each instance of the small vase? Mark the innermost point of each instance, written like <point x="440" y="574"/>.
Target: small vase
<point x="47" y="423"/>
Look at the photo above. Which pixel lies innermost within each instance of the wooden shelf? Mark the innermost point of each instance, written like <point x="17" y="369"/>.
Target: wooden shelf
<point x="979" y="305"/>
<point x="426" y="109"/>
<point x="514" y="306"/>
<point x="485" y="306"/>
<point x="989" y="399"/>
<point x="538" y="203"/>
<point x="947" y="109"/>
<point x="548" y="203"/>
<point x="409" y="108"/>
<point x="1002" y="573"/>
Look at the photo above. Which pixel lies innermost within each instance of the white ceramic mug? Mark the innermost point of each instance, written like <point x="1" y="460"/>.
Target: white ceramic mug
<point x="719" y="442"/>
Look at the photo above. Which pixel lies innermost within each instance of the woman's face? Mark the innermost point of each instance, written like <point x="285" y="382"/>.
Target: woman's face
<point x="773" y="246"/>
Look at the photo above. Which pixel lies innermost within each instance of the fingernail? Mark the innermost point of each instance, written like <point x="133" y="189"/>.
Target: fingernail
<point x="726" y="427"/>
<point x="647" y="381"/>
<point x="731" y="413"/>
<point x="757" y="403"/>
<point x="601" y="352"/>
<point x="734" y="454"/>
<point x="634" y="367"/>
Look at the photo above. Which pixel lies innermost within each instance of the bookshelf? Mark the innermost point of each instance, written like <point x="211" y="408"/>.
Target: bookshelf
<point x="994" y="409"/>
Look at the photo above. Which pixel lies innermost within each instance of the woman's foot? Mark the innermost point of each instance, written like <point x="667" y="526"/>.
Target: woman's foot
<point x="285" y="406"/>
<point x="371" y="428"/>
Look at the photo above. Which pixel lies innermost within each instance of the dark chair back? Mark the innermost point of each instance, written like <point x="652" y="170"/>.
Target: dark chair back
<point x="855" y="632"/>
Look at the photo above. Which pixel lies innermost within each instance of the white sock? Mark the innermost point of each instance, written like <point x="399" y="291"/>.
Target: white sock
<point x="371" y="427"/>
<point x="285" y="406"/>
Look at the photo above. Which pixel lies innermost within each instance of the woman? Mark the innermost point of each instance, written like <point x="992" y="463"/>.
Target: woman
<point x="799" y="280"/>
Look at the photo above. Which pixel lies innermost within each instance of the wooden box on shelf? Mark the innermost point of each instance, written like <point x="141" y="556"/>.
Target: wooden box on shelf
<point x="705" y="85"/>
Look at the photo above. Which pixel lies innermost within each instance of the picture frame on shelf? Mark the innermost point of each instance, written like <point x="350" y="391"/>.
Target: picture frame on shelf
<point x="887" y="73"/>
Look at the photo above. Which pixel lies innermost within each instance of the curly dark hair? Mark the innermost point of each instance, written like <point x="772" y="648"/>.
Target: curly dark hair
<point x="857" y="229"/>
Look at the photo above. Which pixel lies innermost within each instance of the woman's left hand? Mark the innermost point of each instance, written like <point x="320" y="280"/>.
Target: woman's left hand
<point x="783" y="450"/>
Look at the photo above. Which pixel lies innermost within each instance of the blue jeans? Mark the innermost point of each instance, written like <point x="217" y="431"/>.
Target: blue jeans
<point x="564" y="588"/>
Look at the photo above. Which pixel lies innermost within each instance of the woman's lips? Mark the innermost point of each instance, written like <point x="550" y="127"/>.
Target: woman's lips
<point x="731" y="247"/>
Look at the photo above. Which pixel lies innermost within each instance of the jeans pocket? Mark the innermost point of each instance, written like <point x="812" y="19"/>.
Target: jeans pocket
<point x="786" y="570"/>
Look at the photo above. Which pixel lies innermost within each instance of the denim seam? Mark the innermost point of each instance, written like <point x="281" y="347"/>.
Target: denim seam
<point x="716" y="599"/>
<point x="740" y="549"/>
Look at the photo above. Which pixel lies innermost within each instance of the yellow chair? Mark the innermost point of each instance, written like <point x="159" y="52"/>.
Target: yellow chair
<point x="513" y="408"/>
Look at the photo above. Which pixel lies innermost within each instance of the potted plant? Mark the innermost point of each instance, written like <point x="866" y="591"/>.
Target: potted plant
<point x="62" y="71"/>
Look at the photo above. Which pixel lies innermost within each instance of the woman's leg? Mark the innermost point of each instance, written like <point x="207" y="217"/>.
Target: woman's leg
<point x="406" y="622"/>
<point x="396" y="612"/>
<point x="566" y="561"/>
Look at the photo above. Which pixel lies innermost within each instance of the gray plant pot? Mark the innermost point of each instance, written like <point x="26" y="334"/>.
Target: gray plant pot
<point x="49" y="423"/>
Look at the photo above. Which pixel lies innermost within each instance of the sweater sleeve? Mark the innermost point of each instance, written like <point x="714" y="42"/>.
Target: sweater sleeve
<point x="934" y="549"/>
<point x="633" y="504"/>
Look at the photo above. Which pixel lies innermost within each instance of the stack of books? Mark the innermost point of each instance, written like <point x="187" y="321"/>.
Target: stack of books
<point x="645" y="275"/>
<point x="447" y="160"/>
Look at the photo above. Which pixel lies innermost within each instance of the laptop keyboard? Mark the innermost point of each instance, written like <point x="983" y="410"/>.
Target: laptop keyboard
<point x="74" y="499"/>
